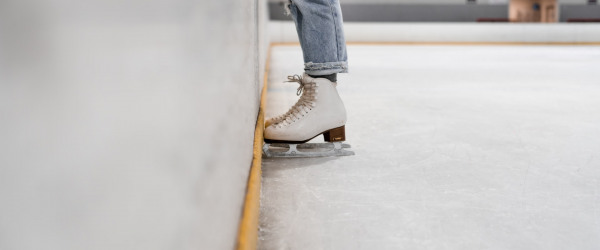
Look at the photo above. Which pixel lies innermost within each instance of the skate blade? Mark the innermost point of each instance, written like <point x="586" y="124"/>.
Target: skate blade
<point x="306" y="150"/>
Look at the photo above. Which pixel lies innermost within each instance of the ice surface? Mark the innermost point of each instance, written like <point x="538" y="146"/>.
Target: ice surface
<point x="457" y="147"/>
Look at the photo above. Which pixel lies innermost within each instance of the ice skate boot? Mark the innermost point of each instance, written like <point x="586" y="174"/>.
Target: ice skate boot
<point x="319" y="111"/>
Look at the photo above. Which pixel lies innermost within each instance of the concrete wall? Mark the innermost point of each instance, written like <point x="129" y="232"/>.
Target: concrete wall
<point x="127" y="124"/>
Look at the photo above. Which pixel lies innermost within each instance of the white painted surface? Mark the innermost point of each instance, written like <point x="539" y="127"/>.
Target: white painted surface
<point x="126" y="124"/>
<point x="282" y="31"/>
<point x="485" y="147"/>
<point x="457" y="2"/>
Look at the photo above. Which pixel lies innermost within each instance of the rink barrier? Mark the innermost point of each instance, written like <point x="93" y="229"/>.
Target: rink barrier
<point x="455" y="33"/>
<point x="248" y="229"/>
<point x="459" y="43"/>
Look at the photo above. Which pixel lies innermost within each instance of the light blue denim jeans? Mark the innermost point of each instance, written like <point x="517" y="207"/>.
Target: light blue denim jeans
<point x="319" y="26"/>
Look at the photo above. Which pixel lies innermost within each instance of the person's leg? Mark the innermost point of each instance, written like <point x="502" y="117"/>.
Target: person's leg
<point x="320" y="110"/>
<point x="321" y="35"/>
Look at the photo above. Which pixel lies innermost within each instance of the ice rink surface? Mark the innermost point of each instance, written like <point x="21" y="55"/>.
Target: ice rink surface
<point x="457" y="147"/>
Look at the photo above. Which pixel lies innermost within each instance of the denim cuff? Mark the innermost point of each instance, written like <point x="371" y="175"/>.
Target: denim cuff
<point x="328" y="68"/>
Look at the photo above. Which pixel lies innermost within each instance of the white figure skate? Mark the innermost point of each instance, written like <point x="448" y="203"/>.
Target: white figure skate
<point x="319" y="111"/>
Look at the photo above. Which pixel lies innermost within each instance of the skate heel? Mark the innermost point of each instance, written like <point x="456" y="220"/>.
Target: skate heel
<point x="336" y="134"/>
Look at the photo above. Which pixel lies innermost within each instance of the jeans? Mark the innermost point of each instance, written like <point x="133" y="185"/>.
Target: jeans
<point x="319" y="26"/>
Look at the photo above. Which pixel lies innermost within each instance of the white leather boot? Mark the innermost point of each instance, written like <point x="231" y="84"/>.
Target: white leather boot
<point x="319" y="110"/>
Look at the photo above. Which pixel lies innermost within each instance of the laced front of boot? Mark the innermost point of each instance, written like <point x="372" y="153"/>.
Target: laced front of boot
<point x="307" y="101"/>
<point x="277" y="119"/>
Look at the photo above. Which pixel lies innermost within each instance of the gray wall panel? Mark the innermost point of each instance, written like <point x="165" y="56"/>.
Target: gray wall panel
<point x="396" y="11"/>
<point x="422" y="13"/>
<point x="579" y="11"/>
<point x="127" y="124"/>
<point x="410" y="12"/>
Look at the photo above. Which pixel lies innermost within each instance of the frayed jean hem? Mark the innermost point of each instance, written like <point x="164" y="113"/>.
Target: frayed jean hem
<point x="328" y="68"/>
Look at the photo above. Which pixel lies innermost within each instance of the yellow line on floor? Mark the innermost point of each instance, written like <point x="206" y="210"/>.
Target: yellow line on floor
<point x="248" y="230"/>
<point x="459" y="43"/>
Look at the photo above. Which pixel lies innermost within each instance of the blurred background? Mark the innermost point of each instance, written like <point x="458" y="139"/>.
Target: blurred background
<point x="457" y="21"/>
<point x="535" y="11"/>
<point x="129" y="124"/>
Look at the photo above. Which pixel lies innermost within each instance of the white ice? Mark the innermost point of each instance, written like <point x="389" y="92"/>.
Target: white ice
<point x="457" y="147"/>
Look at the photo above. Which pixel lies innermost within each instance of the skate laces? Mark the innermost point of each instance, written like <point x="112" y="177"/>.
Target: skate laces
<point x="298" y="79"/>
<point x="308" y="92"/>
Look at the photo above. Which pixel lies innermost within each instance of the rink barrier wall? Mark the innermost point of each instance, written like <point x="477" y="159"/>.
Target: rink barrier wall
<point x="508" y="33"/>
<point x="248" y="230"/>
<point x="127" y="124"/>
<point x="458" y="43"/>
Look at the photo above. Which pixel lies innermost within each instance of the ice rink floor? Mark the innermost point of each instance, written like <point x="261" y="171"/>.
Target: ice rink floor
<point x="457" y="147"/>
